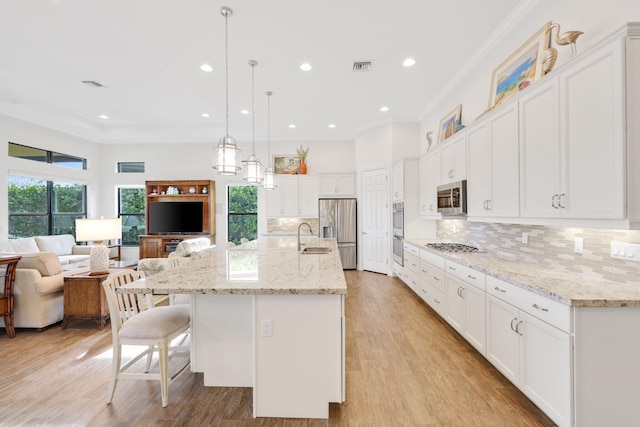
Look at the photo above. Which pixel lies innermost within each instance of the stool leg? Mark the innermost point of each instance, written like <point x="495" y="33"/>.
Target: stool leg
<point x="163" y="350"/>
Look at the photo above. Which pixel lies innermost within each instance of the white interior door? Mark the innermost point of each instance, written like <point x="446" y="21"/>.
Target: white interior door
<point x="375" y="228"/>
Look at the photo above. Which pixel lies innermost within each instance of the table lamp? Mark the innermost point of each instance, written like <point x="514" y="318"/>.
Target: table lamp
<point x="97" y="231"/>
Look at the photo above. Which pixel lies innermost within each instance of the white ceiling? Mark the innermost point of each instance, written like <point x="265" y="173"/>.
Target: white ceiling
<point x="147" y="54"/>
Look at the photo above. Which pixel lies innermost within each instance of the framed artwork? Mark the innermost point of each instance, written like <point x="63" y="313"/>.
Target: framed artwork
<point x="450" y="124"/>
<point x="521" y="69"/>
<point x="288" y="164"/>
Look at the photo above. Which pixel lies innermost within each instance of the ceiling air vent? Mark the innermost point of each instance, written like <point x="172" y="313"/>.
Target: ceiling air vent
<point x="362" y="66"/>
<point x="92" y="83"/>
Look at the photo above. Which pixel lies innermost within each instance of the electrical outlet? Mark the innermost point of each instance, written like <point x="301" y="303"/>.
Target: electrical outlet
<point x="267" y="328"/>
<point x="578" y="245"/>
<point x="525" y="238"/>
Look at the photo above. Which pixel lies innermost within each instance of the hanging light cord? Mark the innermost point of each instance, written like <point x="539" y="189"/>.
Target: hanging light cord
<point x="253" y="109"/>
<point x="268" y="126"/>
<point x="226" y="61"/>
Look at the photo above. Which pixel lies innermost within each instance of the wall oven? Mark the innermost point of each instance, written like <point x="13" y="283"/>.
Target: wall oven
<point x="452" y="198"/>
<point x="398" y="232"/>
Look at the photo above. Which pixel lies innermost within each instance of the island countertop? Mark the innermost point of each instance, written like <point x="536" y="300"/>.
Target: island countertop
<point x="270" y="265"/>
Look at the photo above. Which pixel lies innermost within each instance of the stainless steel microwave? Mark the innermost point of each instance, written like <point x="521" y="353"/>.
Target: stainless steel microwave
<point x="452" y="198"/>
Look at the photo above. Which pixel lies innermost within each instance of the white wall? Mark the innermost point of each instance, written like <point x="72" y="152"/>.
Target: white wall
<point x="596" y="19"/>
<point x="19" y="132"/>
<point x="194" y="160"/>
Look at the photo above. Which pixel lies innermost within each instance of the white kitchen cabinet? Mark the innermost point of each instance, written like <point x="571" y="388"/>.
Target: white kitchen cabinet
<point x="572" y="140"/>
<point x="533" y="354"/>
<point x="466" y="307"/>
<point x="294" y="195"/>
<point x="397" y="182"/>
<point x="342" y="185"/>
<point x="492" y="147"/>
<point x="429" y="173"/>
<point x="454" y="159"/>
<point x="432" y="282"/>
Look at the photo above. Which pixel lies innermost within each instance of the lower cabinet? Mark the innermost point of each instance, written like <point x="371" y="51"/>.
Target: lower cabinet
<point x="534" y="355"/>
<point x="466" y="311"/>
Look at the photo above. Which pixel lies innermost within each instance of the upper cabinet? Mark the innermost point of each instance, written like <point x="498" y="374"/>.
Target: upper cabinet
<point x="429" y="171"/>
<point x="397" y="181"/>
<point x="492" y="184"/>
<point x="343" y="185"/>
<point x="572" y="140"/>
<point x="454" y="159"/>
<point x="294" y="196"/>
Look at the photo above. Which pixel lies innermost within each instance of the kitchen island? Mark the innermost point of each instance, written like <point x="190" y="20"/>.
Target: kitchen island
<point x="268" y="317"/>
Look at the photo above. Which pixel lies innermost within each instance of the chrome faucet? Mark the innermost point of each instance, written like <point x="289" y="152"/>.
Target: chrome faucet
<point x="310" y="232"/>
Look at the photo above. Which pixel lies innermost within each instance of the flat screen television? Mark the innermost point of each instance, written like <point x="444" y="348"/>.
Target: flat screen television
<point x="175" y="217"/>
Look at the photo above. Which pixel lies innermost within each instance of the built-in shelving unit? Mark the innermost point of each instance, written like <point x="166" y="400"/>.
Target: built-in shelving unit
<point x="161" y="245"/>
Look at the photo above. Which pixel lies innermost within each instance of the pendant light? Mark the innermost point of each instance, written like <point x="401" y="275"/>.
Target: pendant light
<point x="268" y="183"/>
<point x="225" y="158"/>
<point x="254" y="168"/>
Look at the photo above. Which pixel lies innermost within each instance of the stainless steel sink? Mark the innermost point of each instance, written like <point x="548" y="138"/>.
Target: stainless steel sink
<point x="316" y="250"/>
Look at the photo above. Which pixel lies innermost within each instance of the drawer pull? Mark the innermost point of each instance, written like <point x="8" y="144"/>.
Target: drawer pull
<point x="452" y="268"/>
<point x="436" y="278"/>
<point x="500" y="290"/>
<point x="471" y="277"/>
<point x="537" y="307"/>
<point x="436" y="301"/>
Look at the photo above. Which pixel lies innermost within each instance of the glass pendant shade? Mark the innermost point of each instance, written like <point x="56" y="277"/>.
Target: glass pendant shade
<point x="254" y="170"/>
<point x="268" y="183"/>
<point x="225" y="156"/>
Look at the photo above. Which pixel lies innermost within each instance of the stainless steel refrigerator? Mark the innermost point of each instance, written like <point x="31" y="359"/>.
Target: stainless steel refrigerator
<point x="337" y="219"/>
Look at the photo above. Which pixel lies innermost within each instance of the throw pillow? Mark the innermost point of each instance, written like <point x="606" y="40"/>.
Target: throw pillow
<point x="46" y="263"/>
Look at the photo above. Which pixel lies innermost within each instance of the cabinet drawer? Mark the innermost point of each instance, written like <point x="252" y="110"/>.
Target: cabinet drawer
<point x="432" y="258"/>
<point x="552" y="312"/>
<point x="436" y="300"/>
<point x="413" y="250"/>
<point x="413" y="281"/>
<point x="432" y="275"/>
<point x="469" y="275"/>
<point x="412" y="262"/>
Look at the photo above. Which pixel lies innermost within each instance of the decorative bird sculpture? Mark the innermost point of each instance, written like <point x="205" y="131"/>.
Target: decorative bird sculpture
<point x="568" y="37"/>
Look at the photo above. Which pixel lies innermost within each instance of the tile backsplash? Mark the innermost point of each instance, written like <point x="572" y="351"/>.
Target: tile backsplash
<point x="549" y="247"/>
<point x="290" y="225"/>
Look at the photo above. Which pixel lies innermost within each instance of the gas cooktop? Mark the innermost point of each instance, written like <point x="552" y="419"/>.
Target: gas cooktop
<point x="452" y="247"/>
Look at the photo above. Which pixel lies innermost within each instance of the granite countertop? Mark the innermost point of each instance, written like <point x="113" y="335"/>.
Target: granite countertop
<point x="569" y="288"/>
<point x="269" y="265"/>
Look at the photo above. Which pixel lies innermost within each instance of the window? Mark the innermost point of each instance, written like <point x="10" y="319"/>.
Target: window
<point x="130" y="167"/>
<point x="242" y="220"/>
<point x="38" y="207"/>
<point x="40" y="155"/>
<point x="131" y="202"/>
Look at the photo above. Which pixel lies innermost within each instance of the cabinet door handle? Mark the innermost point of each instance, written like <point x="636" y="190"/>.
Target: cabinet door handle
<point x="485" y="205"/>
<point x="512" y="327"/>
<point x="554" y="199"/>
<point x="537" y="307"/>
<point x="518" y="328"/>
<point x="560" y="201"/>
<point x="431" y="207"/>
<point x="451" y="173"/>
<point x="500" y="290"/>
<point x="489" y="203"/>
<point x="396" y="194"/>
<point x="471" y="277"/>
<point x="452" y="268"/>
<point x="460" y="289"/>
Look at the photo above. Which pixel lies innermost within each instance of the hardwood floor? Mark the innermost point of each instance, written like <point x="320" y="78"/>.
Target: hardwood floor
<point x="405" y="367"/>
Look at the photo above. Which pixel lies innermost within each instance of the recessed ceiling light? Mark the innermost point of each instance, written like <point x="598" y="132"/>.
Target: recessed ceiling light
<point x="409" y="62"/>
<point x="104" y="117"/>
<point x="384" y="109"/>
<point x="292" y="126"/>
<point x="306" y="66"/>
<point x="206" y="68"/>
<point x="332" y="125"/>
<point x="205" y="115"/>
<point x="244" y="111"/>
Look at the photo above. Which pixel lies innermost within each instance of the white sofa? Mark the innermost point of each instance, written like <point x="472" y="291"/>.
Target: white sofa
<point x="39" y="281"/>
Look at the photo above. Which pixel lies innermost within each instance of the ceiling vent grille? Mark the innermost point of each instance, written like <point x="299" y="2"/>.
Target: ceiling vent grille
<point x="360" y="66"/>
<point x="92" y="83"/>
